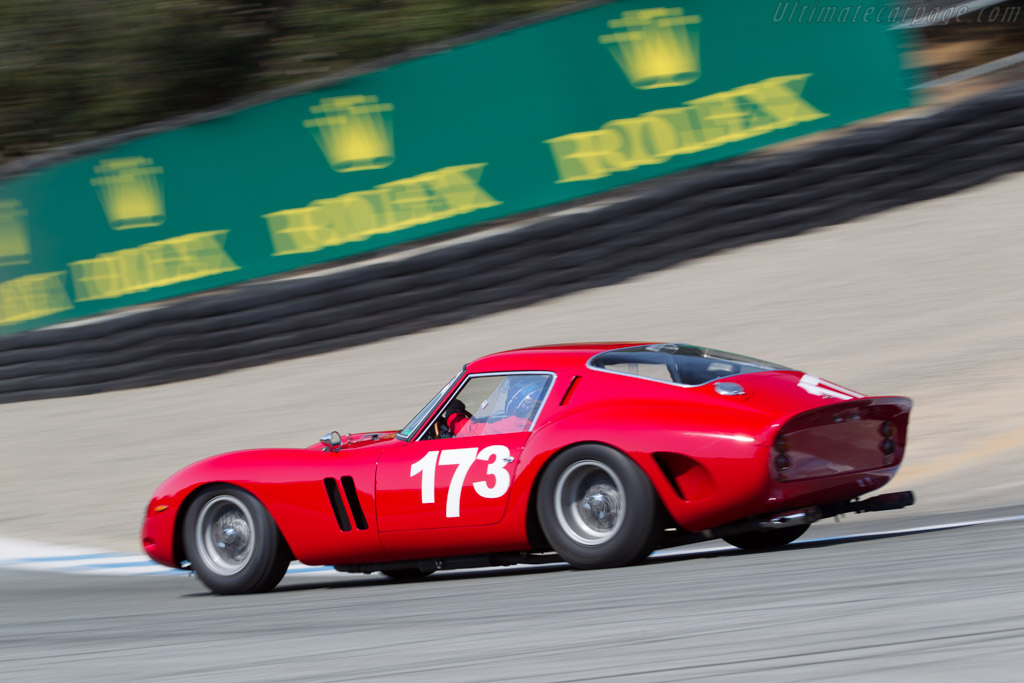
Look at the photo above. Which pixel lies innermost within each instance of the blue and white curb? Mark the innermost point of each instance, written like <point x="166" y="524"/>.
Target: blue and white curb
<point x="46" y="557"/>
<point x="66" y="559"/>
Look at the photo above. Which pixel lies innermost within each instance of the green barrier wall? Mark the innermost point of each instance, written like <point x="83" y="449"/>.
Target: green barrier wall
<point x="540" y="115"/>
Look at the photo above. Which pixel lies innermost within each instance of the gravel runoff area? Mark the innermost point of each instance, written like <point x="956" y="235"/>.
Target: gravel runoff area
<point x="926" y="301"/>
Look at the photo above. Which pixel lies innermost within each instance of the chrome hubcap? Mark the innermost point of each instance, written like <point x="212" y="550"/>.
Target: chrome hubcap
<point x="224" y="534"/>
<point x="589" y="502"/>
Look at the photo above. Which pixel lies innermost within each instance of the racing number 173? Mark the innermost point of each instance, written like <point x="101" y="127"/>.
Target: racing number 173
<point x="497" y="458"/>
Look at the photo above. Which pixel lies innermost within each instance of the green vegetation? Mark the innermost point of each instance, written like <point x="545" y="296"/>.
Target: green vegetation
<point x="75" y="69"/>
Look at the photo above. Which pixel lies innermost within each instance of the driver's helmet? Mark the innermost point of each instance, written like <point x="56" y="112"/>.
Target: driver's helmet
<point x="524" y="396"/>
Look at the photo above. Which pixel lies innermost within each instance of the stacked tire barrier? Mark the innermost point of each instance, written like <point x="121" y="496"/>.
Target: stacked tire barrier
<point x="751" y="199"/>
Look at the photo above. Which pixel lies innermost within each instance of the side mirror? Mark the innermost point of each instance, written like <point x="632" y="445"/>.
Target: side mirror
<point x="331" y="441"/>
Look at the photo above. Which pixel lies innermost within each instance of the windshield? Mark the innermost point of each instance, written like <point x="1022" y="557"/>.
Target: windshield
<point x="679" y="363"/>
<point x="427" y="409"/>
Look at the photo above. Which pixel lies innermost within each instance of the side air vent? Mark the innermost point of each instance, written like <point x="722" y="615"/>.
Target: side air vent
<point x="353" y="502"/>
<point x="337" y="498"/>
<point x="568" y="392"/>
<point x="334" y="495"/>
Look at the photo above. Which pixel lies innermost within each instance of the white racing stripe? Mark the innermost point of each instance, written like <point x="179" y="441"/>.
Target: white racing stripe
<point x="816" y="386"/>
<point x="35" y="556"/>
<point x="917" y="529"/>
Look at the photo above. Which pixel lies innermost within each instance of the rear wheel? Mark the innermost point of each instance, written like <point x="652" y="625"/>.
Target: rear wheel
<point x="233" y="543"/>
<point x="597" y="508"/>
<point x="766" y="539"/>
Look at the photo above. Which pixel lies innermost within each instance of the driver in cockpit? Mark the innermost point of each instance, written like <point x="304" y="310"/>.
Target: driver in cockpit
<point x="524" y="396"/>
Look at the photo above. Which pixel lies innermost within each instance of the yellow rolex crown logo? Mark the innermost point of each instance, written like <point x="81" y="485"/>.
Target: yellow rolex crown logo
<point x="354" y="133"/>
<point x="14" y="247"/>
<point x="131" y="192"/>
<point x="657" y="47"/>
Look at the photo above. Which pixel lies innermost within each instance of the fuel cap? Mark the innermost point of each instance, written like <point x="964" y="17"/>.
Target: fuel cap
<point x="729" y="389"/>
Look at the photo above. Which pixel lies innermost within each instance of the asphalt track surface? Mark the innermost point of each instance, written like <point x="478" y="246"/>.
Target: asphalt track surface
<point x="923" y="604"/>
<point x="925" y="301"/>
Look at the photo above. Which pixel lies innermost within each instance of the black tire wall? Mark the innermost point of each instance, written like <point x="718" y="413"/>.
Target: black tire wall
<point x="750" y="199"/>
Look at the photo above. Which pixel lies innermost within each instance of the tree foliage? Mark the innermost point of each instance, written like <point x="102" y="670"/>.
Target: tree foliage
<point x="74" y="69"/>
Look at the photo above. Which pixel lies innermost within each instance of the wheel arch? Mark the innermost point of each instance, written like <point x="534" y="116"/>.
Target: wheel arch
<point x="179" y="522"/>
<point x="533" y="529"/>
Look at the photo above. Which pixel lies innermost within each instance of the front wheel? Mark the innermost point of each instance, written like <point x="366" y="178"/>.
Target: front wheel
<point x="766" y="539"/>
<point x="233" y="543"/>
<point x="597" y="508"/>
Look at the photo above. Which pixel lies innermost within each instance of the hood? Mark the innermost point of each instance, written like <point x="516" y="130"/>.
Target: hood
<point x="359" y="440"/>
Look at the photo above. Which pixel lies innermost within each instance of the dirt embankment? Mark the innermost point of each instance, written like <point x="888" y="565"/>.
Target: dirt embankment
<point x="925" y="301"/>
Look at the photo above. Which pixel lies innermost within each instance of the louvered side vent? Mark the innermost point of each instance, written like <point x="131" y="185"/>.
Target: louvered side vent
<point x="353" y="502"/>
<point x="568" y="392"/>
<point x="334" y="495"/>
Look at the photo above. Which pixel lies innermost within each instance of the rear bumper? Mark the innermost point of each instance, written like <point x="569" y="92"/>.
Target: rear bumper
<point x="859" y="436"/>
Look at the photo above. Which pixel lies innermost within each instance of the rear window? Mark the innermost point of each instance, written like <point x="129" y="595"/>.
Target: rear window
<point x="679" y="363"/>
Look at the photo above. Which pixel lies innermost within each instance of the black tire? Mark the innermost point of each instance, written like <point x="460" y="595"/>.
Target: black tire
<point x="767" y="539"/>
<point x="233" y="543"/>
<point x="597" y="508"/>
<point x="407" y="574"/>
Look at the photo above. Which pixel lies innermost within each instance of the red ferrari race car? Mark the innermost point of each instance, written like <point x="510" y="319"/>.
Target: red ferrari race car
<point x="592" y="454"/>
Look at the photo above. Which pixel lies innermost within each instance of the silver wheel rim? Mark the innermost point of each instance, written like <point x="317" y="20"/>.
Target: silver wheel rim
<point x="589" y="502"/>
<point x="224" y="534"/>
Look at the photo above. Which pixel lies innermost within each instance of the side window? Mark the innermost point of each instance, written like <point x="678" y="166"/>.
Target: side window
<point x="658" y="371"/>
<point x="492" y="404"/>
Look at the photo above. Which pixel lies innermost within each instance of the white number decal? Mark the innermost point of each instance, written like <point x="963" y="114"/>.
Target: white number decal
<point x="464" y="458"/>
<point x="497" y="458"/>
<point x="426" y="466"/>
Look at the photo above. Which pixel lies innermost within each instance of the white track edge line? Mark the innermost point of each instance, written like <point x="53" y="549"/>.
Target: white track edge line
<point x="55" y="558"/>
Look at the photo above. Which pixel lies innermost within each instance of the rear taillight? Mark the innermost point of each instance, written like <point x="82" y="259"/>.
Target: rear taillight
<point x="782" y="460"/>
<point x="887" y="445"/>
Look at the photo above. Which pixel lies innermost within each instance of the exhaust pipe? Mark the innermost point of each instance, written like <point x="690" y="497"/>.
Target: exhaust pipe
<point x="809" y="515"/>
<point x="794" y="518"/>
<point x="886" y="501"/>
